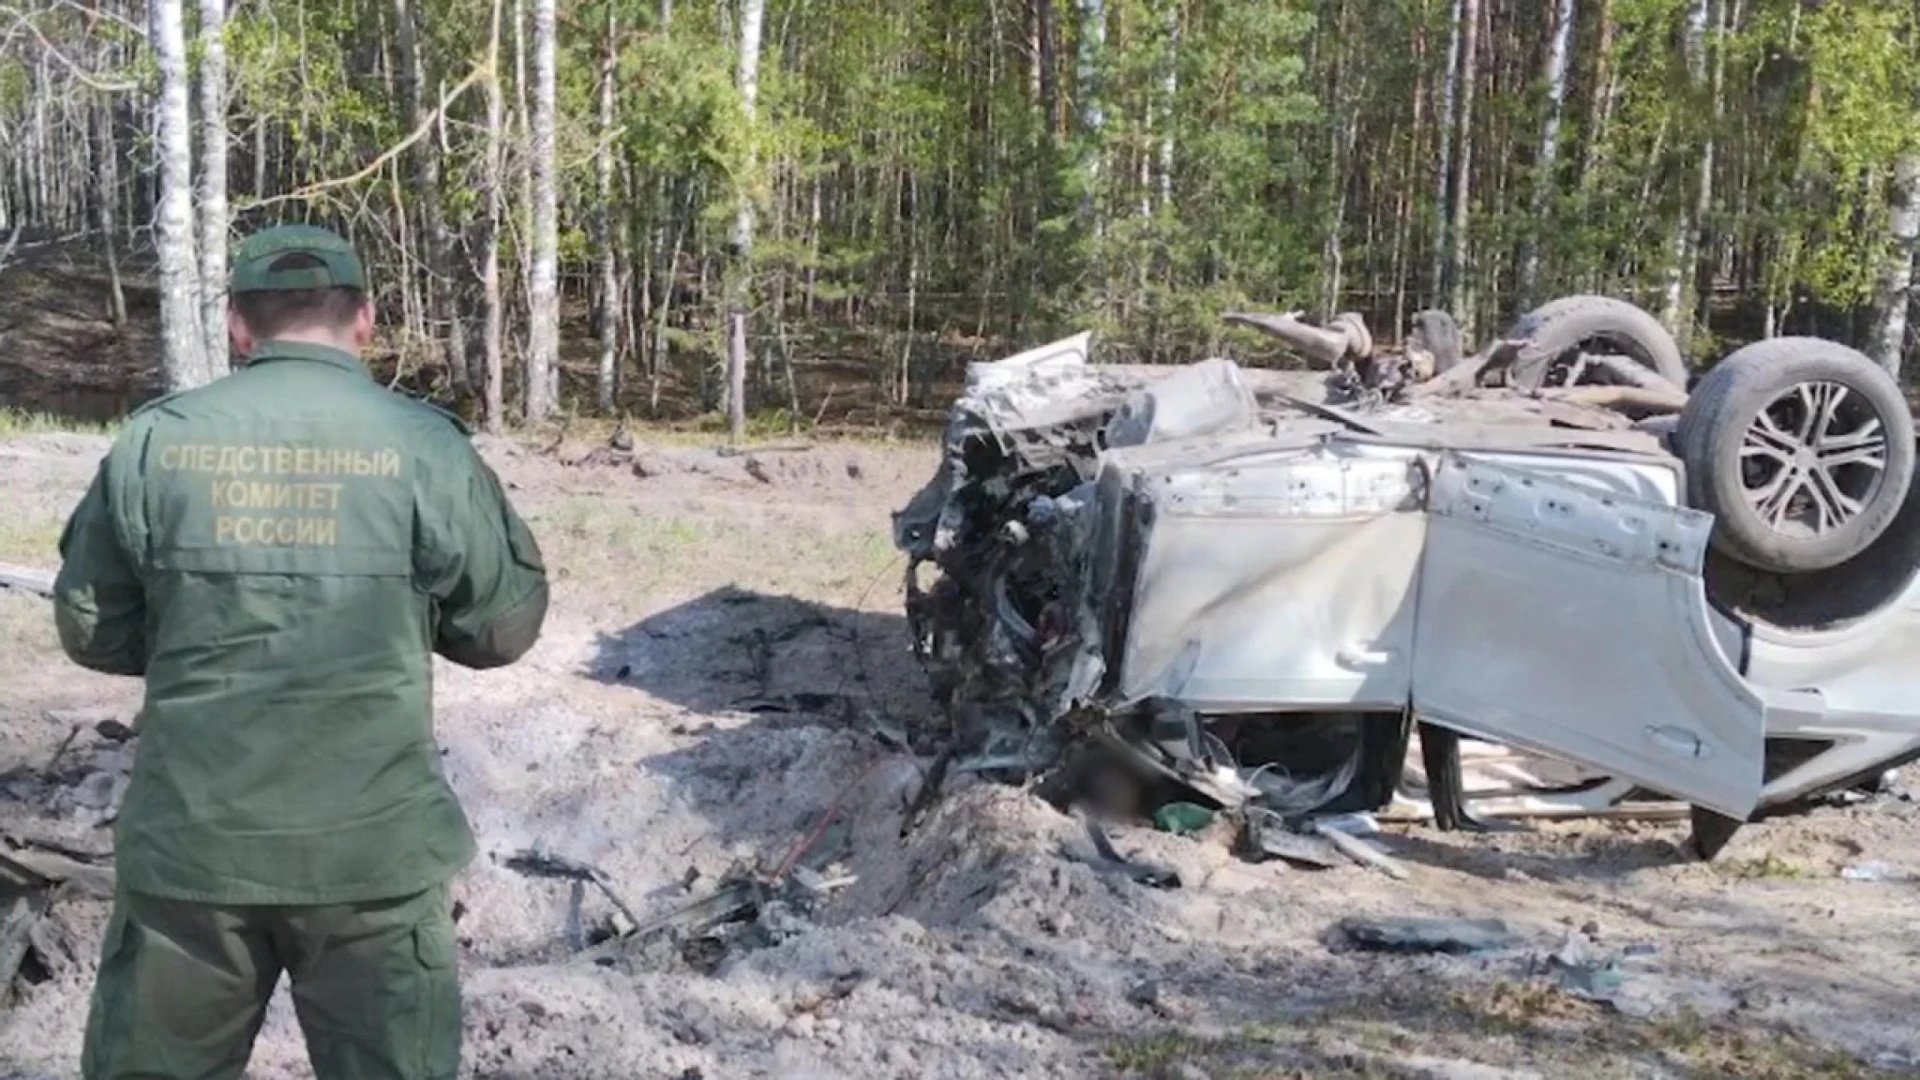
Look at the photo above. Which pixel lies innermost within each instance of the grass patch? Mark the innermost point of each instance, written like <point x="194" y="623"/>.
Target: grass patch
<point x="1156" y="1054"/>
<point x="30" y="539"/>
<point x="1768" y="867"/>
<point x="630" y="551"/>
<point x="16" y="422"/>
<point x="763" y="429"/>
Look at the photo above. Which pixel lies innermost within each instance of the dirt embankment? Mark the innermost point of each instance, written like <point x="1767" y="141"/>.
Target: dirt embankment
<point x="721" y="690"/>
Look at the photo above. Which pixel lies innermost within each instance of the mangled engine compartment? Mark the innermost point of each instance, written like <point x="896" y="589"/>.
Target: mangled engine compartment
<point x="1022" y="552"/>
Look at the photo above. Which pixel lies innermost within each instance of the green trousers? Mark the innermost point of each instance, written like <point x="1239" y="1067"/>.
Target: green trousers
<point x="183" y="988"/>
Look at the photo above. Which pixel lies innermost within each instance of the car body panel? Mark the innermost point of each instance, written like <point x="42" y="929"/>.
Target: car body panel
<point x="1855" y="689"/>
<point x="1285" y="577"/>
<point x="1558" y="618"/>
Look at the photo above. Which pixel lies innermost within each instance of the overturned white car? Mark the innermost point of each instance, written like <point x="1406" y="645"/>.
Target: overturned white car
<point x="1228" y="581"/>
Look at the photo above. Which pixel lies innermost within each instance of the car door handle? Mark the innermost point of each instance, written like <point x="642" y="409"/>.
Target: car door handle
<point x="1677" y="740"/>
<point x="1356" y="657"/>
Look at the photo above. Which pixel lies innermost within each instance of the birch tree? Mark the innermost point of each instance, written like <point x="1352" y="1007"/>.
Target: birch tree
<point x="1170" y="98"/>
<point x="494" y="170"/>
<point x="543" y="318"/>
<point x="1702" y="266"/>
<point x="1888" y="345"/>
<point x="1459" y="289"/>
<point x="106" y="198"/>
<point x="183" y="341"/>
<point x="1673" y="309"/>
<point x="441" y="297"/>
<point x="213" y="183"/>
<point x="1545" y="181"/>
<point x="1445" y="119"/>
<point x="609" y="317"/>
<point x="1093" y="114"/>
<point x="1046" y="71"/>
<point x="753" y="15"/>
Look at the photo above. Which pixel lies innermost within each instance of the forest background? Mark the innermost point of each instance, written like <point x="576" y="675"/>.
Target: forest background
<point x="669" y="209"/>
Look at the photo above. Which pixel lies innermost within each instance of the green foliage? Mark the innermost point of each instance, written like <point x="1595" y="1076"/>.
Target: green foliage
<point x="1860" y="116"/>
<point x="16" y="82"/>
<point x="904" y="147"/>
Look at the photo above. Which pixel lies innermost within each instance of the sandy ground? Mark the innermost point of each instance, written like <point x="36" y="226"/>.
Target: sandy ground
<point x="721" y="654"/>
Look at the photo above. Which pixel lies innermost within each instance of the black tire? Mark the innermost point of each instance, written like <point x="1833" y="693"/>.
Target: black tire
<point x="1822" y="510"/>
<point x="1554" y="329"/>
<point x="1437" y="333"/>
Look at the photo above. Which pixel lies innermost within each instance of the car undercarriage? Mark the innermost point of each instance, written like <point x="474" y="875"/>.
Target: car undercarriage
<point x="1421" y="584"/>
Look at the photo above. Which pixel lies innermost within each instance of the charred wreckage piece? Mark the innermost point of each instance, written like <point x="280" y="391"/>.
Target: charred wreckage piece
<point x="1267" y="587"/>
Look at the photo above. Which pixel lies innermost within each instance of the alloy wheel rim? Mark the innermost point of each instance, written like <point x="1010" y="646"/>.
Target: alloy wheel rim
<point x="1813" y="459"/>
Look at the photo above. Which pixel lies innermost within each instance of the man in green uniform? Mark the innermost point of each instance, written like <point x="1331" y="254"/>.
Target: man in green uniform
<point x="279" y="554"/>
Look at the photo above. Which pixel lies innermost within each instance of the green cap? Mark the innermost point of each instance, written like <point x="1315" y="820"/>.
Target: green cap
<point x="253" y="261"/>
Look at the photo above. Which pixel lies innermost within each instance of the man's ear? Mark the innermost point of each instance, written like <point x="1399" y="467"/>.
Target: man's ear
<point x="239" y="335"/>
<point x="363" y="326"/>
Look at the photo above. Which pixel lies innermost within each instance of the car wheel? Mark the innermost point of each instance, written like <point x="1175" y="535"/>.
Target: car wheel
<point x="1802" y="449"/>
<point x="1555" y="333"/>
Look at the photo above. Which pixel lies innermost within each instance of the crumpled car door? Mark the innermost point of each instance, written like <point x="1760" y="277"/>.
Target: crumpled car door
<point x="1570" y="620"/>
<point x="1277" y="580"/>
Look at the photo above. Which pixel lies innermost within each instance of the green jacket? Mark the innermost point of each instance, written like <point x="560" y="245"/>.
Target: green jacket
<point x="280" y="553"/>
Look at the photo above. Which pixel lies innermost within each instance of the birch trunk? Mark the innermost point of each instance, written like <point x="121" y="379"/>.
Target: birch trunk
<point x="1444" y="118"/>
<point x="661" y="267"/>
<point x="1093" y="116"/>
<point x="440" y="302"/>
<point x="1409" y="169"/>
<point x="1545" y="179"/>
<point x="740" y="289"/>
<point x="661" y="344"/>
<point x="543" y="297"/>
<point x="1673" y="308"/>
<point x="1330" y="250"/>
<point x="183" y="342"/>
<point x="520" y="159"/>
<point x="1888" y="345"/>
<point x="1704" y="254"/>
<point x="603" y="217"/>
<point x="260" y="157"/>
<point x="213" y="183"/>
<point x="1047" y="73"/>
<point x="494" y="403"/>
<point x="913" y="286"/>
<point x="107" y="176"/>
<point x="1463" y="167"/>
<point x="1170" y="108"/>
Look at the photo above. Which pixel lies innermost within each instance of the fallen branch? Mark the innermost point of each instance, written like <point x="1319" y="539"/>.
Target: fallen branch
<point x="100" y="12"/>
<point x="86" y="78"/>
<point x="61" y="751"/>
<point x="540" y="864"/>
<point x="1360" y="851"/>
<point x="373" y="167"/>
<point x="25" y="579"/>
